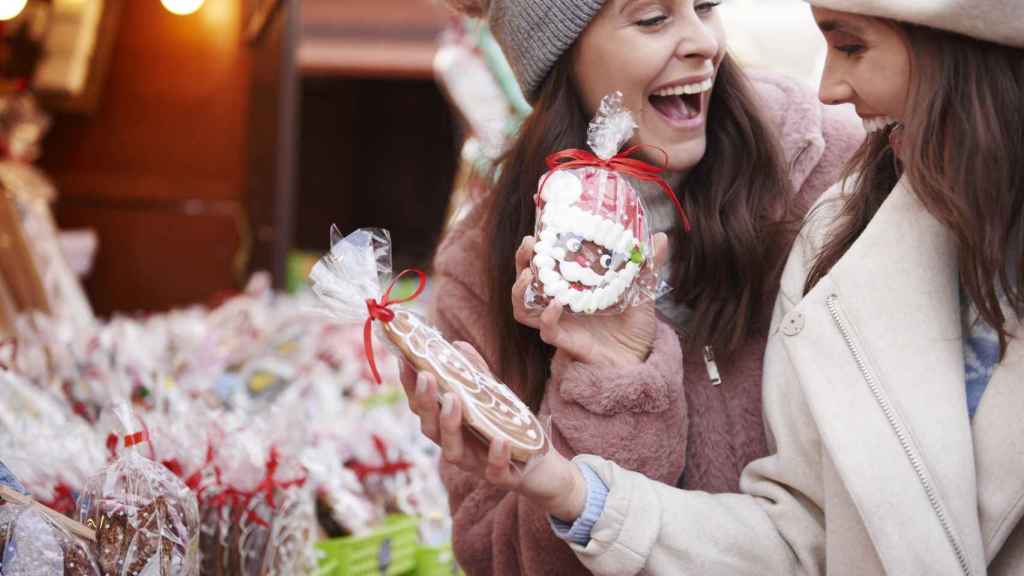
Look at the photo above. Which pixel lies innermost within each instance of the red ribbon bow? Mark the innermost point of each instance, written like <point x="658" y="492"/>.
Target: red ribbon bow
<point x="387" y="468"/>
<point x="621" y="163"/>
<point x="239" y="500"/>
<point x="382" y="311"/>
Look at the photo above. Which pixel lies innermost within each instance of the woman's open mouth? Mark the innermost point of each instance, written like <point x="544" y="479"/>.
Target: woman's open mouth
<point x="682" y="105"/>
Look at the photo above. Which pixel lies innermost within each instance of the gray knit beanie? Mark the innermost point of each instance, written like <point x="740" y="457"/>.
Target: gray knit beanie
<point x="533" y="34"/>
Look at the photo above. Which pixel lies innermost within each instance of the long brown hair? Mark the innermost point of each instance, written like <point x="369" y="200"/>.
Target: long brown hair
<point x="737" y="198"/>
<point x="958" y="142"/>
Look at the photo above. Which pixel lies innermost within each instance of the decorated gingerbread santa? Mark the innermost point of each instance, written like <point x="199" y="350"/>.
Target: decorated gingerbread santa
<point x="594" y="250"/>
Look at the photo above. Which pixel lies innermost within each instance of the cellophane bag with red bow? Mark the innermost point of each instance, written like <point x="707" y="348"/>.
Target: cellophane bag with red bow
<point x="146" y="519"/>
<point x="32" y="544"/>
<point x="354" y="279"/>
<point x="594" y="250"/>
<point x="257" y="515"/>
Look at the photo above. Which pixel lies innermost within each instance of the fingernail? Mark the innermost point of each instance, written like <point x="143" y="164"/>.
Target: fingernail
<point x="447" y="404"/>
<point x="421" y="384"/>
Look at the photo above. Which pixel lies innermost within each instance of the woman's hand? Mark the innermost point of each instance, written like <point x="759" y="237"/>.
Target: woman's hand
<point x="551" y="482"/>
<point x="615" y="340"/>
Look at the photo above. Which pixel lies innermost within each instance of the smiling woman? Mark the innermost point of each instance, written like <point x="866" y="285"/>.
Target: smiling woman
<point x="672" y="389"/>
<point x="868" y="66"/>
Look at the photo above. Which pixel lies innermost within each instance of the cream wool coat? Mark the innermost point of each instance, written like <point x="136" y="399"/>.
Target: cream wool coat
<point x="876" y="467"/>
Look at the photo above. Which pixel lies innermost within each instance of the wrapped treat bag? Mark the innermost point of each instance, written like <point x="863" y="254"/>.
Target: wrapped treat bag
<point x="257" y="514"/>
<point x="146" y="519"/>
<point x="594" y="250"/>
<point x="34" y="421"/>
<point x="354" y="282"/>
<point x="33" y="544"/>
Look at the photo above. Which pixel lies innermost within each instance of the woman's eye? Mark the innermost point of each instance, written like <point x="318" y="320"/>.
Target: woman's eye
<point x="652" y="22"/>
<point x="606" y="261"/>
<point x="706" y="7"/>
<point x="850" y="49"/>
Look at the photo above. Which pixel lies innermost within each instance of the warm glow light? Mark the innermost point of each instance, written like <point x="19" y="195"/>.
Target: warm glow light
<point x="182" y="7"/>
<point x="11" y="8"/>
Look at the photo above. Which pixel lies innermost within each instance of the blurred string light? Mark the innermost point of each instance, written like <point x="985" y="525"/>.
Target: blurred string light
<point x="11" y="8"/>
<point x="181" y="7"/>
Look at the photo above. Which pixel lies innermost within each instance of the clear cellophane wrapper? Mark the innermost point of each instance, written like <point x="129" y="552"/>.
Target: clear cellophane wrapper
<point x="35" y="422"/>
<point x="594" y="250"/>
<point x="32" y="544"/>
<point x="146" y="519"/>
<point x="354" y="283"/>
<point x="257" y="515"/>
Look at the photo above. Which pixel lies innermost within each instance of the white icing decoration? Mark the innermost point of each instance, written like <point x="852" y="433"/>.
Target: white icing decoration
<point x="562" y="188"/>
<point x="487" y="411"/>
<point x="564" y="226"/>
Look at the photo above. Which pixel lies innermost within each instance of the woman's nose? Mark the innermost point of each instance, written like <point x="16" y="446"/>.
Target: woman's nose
<point x="699" y="42"/>
<point x="835" y="88"/>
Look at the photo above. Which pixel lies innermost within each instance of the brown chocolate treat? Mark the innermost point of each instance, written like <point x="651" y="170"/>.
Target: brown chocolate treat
<point x="147" y="538"/>
<point x="490" y="408"/>
<point x="326" y="519"/>
<point x="77" y="561"/>
<point x="129" y="542"/>
<point x="113" y="537"/>
<point x="211" y="551"/>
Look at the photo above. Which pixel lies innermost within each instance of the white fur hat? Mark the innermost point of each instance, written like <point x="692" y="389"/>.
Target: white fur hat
<point x="1000" y="21"/>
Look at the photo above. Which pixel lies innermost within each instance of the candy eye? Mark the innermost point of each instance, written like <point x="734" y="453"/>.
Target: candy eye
<point x="606" y="261"/>
<point x="574" y="245"/>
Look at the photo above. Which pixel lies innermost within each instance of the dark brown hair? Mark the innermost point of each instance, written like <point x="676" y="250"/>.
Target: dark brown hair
<point x="736" y="198"/>
<point x="959" y="139"/>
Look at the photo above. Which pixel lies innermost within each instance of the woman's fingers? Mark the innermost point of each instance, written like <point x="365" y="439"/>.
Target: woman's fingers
<point x="525" y="253"/>
<point x="660" y="250"/>
<point x="499" y="469"/>
<point x="407" y="376"/>
<point x="519" y="311"/>
<point x="550" y="329"/>
<point x="425" y="405"/>
<point x="452" y="445"/>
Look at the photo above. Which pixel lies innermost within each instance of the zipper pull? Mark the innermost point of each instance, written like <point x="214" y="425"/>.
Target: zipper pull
<point x="712" y="366"/>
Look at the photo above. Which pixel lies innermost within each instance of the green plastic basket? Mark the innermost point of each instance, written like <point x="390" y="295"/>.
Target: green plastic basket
<point x="298" y="267"/>
<point x="390" y="550"/>
<point x="436" y="561"/>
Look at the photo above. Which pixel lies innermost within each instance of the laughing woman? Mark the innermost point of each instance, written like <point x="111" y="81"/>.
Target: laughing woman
<point x="894" y="377"/>
<point x="673" y="393"/>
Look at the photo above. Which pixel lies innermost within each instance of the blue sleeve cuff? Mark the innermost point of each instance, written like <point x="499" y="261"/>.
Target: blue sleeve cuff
<point x="578" y="532"/>
<point x="7" y="479"/>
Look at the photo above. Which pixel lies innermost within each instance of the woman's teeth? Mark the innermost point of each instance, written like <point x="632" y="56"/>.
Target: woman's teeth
<point x="878" y="123"/>
<point x="697" y="88"/>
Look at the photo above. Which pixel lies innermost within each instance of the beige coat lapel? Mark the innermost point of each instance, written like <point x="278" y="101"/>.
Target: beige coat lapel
<point x="999" y="448"/>
<point x="896" y="293"/>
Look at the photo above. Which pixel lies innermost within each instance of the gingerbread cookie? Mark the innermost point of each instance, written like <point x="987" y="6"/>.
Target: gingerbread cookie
<point x="490" y="408"/>
<point x="591" y="241"/>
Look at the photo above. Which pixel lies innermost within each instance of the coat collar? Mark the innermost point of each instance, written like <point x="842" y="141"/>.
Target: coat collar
<point x="896" y="293"/>
<point x="999" y="447"/>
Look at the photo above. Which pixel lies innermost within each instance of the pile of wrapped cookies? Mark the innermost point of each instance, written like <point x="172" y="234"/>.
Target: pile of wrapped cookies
<point x="245" y="439"/>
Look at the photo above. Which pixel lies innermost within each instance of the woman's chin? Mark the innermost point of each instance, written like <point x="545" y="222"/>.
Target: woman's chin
<point x="682" y="156"/>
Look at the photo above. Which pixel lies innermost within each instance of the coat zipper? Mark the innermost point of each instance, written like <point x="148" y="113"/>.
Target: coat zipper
<point x="709" y="362"/>
<point x="901" y="434"/>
